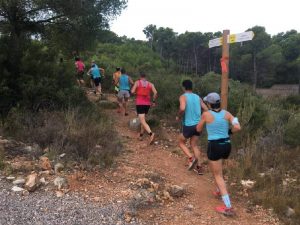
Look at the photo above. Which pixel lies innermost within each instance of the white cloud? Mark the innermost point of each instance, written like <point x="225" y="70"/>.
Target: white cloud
<point x="207" y="16"/>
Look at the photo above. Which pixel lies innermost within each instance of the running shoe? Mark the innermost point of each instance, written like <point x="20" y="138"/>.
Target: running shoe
<point x="192" y="162"/>
<point x="225" y="211"/>
<point x="199" y="170"/>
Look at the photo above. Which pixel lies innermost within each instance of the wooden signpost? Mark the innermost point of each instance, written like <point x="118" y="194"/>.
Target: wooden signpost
<point x="225" y="40"/>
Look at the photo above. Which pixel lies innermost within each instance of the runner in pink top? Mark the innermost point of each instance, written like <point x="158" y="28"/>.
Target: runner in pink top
<point x="143" y="90"/>
<point x="79" y="71"/>
<point x="143" y="95"/>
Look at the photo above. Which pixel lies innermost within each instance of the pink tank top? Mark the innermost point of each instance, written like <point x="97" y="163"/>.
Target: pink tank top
<point x="80" y="66"/>
<point x="143" y="99"/>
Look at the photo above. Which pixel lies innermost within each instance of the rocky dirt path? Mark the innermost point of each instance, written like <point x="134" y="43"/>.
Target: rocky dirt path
<point x="196" y="206"/>
<point x="137" y="189"/>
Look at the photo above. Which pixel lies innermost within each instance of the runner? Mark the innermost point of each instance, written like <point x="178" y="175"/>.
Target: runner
<point x="79" y="71"/>
<point x="95" y="72"/>
<point x="190" y="109"/>
<point x="116" y="76"/>
<point x="143" y="89"/>
<point x="217" y="125"/>
<point x="125" y="82"/>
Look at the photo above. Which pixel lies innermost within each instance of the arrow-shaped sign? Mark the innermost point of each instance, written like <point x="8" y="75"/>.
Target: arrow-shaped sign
<point x="241" y="37"/>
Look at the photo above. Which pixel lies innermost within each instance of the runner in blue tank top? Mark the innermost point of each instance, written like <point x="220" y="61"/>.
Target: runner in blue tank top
<point x="96" y="74"/>
<point x="218" y="129"/>
<point x="125" y="82"/>
<point x="190" y="110"/>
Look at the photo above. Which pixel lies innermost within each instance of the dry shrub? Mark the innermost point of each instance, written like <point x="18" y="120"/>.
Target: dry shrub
<point x="83" y="134"/>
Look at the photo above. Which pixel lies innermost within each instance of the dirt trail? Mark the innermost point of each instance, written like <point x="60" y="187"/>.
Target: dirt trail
<point x="196" y="207"/>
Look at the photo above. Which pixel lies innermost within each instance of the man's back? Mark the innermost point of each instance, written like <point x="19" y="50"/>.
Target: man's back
<point x="192" y="109"/>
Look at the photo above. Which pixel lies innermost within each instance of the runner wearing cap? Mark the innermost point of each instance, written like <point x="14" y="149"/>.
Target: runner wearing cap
<point x="97" y="74"/>
<point x="218" y="123"/>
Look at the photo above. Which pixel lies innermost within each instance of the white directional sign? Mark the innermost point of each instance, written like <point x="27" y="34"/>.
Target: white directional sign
<point x="232" y="38"/>
<point x="215" y="42"/>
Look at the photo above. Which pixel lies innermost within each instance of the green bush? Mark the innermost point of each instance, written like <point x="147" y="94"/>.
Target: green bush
<point x="43" y="83"/>
<point x="292" y="131"/>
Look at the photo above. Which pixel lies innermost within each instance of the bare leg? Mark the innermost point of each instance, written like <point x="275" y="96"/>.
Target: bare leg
<point x="125" y="106"/>
<point x="82" y="82"/>
<point x="144" y="123"/>
<point x="120" y="102"/>
<point x="146" y="127"/>
<point x="195" y="148"/>
<point x="92" y="83"/>
<point x="100" y="88"/>
<point x="216" y="168"/>
<point x="183" y="147"/>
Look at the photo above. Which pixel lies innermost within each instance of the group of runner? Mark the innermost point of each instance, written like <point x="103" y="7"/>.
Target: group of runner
<point x="220" y="124"/>
<point x="143" y="89"/>
<point x="96" y="74"/>
<point x="194" y="113"/>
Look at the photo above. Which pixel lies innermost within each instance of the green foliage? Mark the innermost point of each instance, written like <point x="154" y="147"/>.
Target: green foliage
<point x="292" y="101"/>
<point x="292" y="131"/>
<point x="131" y="55"/>
<point x="45" y="83"/>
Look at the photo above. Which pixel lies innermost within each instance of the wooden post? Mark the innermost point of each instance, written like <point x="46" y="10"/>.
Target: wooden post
<point x="225" y="70"/>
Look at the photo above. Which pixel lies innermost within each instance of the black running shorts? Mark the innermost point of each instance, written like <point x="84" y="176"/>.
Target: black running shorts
<point x="79" y="75"/>
<point x="142" y="109"/>
<point x="97" y="81"/>
<point x="189" y="131"/>
<point x="218" y="149"/>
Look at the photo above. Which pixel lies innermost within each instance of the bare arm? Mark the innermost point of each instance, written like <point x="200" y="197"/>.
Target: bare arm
<point x="89" y="72"/>
<point x="130" y="81"/>
<point x="133" y="89"/>
<point x="154" y="91"/>
<point x="102" y="71"/>
<point x="201" y="123"/>
<point x="236" y="126"/>
<point x="203" y="105"/>
<point x="182" y="105"/>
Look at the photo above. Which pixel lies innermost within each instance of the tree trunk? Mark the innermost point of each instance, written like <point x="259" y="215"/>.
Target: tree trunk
<point x="161" y="52"/>
<point x="196" y="60"/>
<point x="209" y="63"/>
<point x="254" y="71"/>
<point x="299" y="81"/>
<point x="215" y="60"/>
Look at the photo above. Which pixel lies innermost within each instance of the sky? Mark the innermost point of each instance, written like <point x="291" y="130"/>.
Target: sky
<point x="207" y="16"/>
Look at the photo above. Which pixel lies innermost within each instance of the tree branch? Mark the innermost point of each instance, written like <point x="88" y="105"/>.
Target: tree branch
<point x="49" y="19"/>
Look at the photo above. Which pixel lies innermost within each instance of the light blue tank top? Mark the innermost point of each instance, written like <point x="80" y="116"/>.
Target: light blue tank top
<point x="192" y="110"/>
<point x="95" y="72"/>
<point x="218" y="129"/>
<point x="124" y="83"/>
